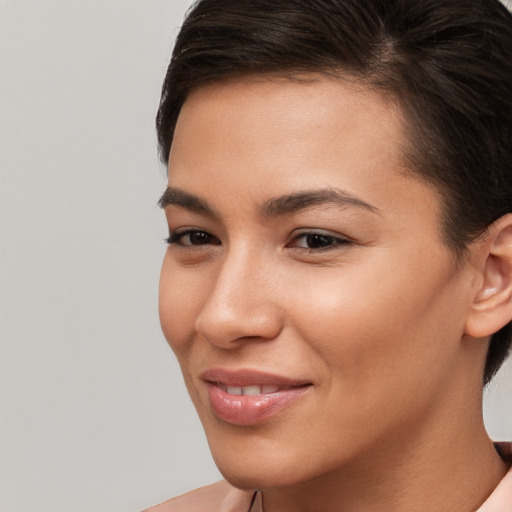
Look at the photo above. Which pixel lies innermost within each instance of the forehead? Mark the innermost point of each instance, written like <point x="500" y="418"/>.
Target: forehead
<point x="299" y="101"/>
<point x="281" y="123"/>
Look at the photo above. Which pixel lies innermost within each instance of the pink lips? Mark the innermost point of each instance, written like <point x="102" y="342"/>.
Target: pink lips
<point x="246" y="397"/>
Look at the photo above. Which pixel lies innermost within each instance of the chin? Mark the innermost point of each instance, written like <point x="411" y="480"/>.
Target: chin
<point x="255" y="469"/>
<point x="258" y="478"/>
<point x="247" y="482"/>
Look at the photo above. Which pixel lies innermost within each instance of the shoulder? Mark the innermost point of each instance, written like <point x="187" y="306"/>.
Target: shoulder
<point x="218" y="497"/>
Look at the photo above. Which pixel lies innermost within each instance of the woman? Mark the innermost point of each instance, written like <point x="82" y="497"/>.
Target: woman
<point x="338" y="283"/>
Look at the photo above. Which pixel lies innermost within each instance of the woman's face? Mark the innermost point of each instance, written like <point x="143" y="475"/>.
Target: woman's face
<point x="306" y="291"/>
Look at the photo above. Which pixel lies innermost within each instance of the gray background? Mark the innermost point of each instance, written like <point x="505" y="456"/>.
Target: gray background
<point x="94" y="416"/>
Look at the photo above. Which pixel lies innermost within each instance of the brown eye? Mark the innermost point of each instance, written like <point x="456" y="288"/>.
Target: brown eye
<point x="317" y="241"/>
<point x="192" y="237"/>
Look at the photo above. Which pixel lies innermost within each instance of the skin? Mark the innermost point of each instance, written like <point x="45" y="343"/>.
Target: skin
<point x="396" y="381"/>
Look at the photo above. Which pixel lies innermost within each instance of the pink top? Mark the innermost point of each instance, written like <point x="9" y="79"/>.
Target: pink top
<point x="223" y="497"/>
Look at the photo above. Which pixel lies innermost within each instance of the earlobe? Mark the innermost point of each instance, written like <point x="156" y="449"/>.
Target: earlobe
<point x="492" y="305"/>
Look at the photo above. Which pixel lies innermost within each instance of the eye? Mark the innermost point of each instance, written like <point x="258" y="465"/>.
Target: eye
<point x="192" y="237"/>
<point x="317" y="241"/>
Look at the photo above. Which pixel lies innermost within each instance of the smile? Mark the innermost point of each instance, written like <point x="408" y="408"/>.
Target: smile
<point x="249" y="398"/>
<point x="254" y="390"/>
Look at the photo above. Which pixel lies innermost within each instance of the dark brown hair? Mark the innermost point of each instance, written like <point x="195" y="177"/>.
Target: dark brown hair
<point x="448" y="63"/>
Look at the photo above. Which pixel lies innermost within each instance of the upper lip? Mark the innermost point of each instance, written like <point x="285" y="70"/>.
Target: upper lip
<point x="248" y="377"/>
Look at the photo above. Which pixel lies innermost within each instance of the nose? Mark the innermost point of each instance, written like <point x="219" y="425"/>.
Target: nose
<point x="241" y="304"/>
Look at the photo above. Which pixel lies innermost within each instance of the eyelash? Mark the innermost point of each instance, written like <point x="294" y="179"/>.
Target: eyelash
<point x="332" y="241"/>
<point x="176" y="238"/>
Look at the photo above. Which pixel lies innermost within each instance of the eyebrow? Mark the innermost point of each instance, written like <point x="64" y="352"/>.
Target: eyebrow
<point x="182" y="199"/>
<point x="295" y="202"/>
<point x="275" y="207"/>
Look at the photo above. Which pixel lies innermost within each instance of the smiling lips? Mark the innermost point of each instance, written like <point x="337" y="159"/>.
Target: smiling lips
<point x="248" y="397"/>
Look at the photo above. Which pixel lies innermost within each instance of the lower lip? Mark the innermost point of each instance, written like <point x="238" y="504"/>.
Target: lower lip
<point x="251" y="410"/>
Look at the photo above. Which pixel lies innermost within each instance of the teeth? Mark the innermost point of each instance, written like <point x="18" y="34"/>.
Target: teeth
<point x="253" y="390"/>
<point x="234" y="390"/>
<point x="268" y="388"/>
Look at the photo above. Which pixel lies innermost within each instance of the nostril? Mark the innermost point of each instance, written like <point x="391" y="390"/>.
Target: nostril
<point x="230" y="332"/>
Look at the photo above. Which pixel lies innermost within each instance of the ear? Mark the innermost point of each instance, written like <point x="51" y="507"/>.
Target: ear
<point x="492" y="305"/>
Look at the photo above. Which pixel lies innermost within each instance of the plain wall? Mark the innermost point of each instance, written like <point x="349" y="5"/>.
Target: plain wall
<point x="94" y="416"/>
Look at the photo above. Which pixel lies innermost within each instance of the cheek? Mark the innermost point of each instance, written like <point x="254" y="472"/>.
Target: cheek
<point x="377" y="341"/>
<point x="179" y="302"/>
<point x="371" y="322"/>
